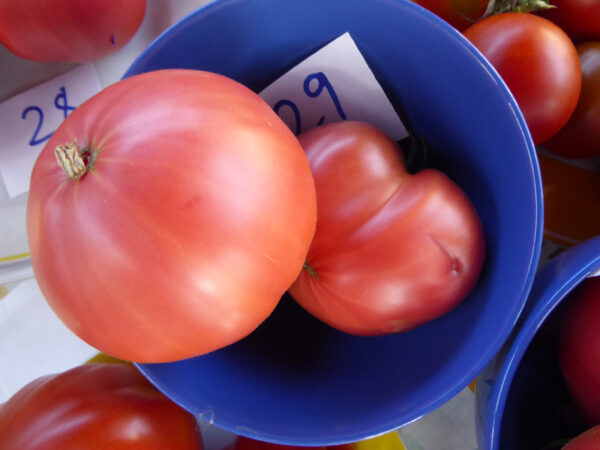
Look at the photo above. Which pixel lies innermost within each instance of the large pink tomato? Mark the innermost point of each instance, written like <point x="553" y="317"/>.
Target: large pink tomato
<point x="181" y="210"/>
<point x="391" y="250"/>
<point x="68" y="30"/>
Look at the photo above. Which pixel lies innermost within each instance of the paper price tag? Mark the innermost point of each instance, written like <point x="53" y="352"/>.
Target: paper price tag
<point x="28" y="120"/>
<point x="333" y="84"/>
<point x="33" y="341"/>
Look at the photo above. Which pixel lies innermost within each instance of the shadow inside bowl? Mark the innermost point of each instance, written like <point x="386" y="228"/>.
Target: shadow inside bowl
<point x="539" y="410"/>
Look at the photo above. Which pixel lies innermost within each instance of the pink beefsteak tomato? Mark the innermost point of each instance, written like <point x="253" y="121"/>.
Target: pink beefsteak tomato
<point x="391" y="250"/>
<point x="68" y="30"/>
<point x="168" y="214"/>
<point x="95" y="407"/>
<point x="579" y="349"/>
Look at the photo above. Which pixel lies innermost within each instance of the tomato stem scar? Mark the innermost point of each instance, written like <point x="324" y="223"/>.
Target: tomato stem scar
<point x="310" y="270"/>
<point x="74" y="160"/>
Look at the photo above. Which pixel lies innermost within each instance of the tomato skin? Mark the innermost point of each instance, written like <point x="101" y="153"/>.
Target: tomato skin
<point x="539" y="64"/>
<point x="579" y="349"/>
<point x="580" y="137"/>
<point x="588" y="440"/>
<point x="244" y="443"/>
<point x="95" y="406"/>
<point x="391" y="250"/>
<point x="183" y="236"/>
<point x="580" y="19"/>
<point x="68" y="30"/>
<point x="459" y="13"/>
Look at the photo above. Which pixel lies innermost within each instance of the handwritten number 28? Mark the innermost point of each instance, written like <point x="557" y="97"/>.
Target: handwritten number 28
<point x="323" y="83"/>
<point x="60" y="102"/>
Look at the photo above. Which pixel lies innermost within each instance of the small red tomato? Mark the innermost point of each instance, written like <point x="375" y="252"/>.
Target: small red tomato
<point x="539" y="64"/>
<point x="95" y="407"/>
<point x="391" y="250"/>
<point x="588" y="440"/>
<point x="580" y="137"/>
<point x="579" y="349"/>
<point x="459" y="13"/>
<point x="68" y="30"/>
<point x="580" y="19"/>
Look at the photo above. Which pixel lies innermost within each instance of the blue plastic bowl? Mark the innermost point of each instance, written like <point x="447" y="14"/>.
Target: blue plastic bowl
<point x="295" y="380"/>
<point x="522" y="400"/>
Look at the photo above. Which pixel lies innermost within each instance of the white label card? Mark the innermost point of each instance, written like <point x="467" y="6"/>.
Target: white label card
<point x="333" y="84"/>
<point x="33" y="341"/>
<point x="28" y="120"/>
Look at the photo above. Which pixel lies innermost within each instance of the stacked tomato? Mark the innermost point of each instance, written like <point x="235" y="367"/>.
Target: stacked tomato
<point x="549" y="57"/>
<point x="169" y="213"/>
<point x="548" y="53"/>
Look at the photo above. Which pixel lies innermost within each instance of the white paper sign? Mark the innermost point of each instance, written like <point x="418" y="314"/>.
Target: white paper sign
<point x="33" y="341"/>
<point x="28" y="120"/>
<point x="333" y="84"/>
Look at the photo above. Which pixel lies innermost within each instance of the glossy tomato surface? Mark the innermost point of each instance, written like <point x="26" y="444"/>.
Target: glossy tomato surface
<point x="588" y="440"/>
<point x="580" y="137"/>
<point x="95" y="407"/>
<point x="571" y="200"/>
<point x="68" y="30"/>
<point x="459" y="13"/>
<point x="391" y="250"/>
<point x="193" y="218"/>
<point x="579" y="349"/>
<point x="580" y="19"/>
<point x="538" y="62"/>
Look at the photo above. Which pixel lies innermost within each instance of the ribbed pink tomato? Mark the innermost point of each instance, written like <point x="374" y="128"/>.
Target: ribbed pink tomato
<point x="391" y="250"/>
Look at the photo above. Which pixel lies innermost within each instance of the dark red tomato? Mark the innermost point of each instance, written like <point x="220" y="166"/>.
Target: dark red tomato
<point x="95" y="407"/>
<point x="244" y="443"/>
<point x="580" y="137"/>
<point x="184" y="212"/>
<point x="68" y="30"/>
<point x="538" y="62"/>
<point x="579" y="348"/>
<point x="459" y="13"/>
<point x="580" y="19"/>
<point x="588" y="440"/>
<point x="391" y="250"/>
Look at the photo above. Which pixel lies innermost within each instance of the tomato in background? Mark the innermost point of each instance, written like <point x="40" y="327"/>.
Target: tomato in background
<point x="68" y="30"/>
<point x="580" y="137"/>
<point x="95" y="407"/>
<point x="193" y="215"/>
<point x="244" y="443"/>
<point x="579" y="349"/>
<point x="580" y="19"/>
<point x="588" y="440"/>
<point x="539" y="64"/>
<point x="459" y="13"/>
<point x="387" y="441"/>
<point x="391" y="250"/>
<point x="571" y="200"/>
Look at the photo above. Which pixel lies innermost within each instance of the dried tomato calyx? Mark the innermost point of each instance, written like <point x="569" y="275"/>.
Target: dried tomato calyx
<point x="310" y="270"/>
<point x="74" y="160"/>
<point x="502" y="6"/>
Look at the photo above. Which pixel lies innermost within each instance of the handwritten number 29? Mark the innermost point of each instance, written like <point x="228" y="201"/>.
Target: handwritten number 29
<point x="323" y="83"/>
<point x="60" y="102"/>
